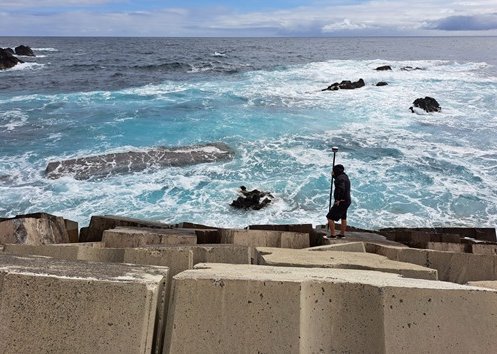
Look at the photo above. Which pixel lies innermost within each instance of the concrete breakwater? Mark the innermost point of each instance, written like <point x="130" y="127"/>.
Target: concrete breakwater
<point x="135" y="161"/>
<point x="147" y="287"/>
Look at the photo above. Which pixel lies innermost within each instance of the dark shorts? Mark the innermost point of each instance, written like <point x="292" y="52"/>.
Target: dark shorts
<point x="338" y="212"/>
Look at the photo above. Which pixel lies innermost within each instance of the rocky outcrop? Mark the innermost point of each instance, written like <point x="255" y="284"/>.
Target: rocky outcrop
<point x="345" y="85"/>
<point x="24" y="50"/>
<point x="7" y="59"/>
<point x="382" y="83"/>
<point x="252" y="199"/>
<point x="428" y="104"/>
<point x="34" y="229"/>
<point x="384" y="68"/>
<point x="134" y="161"/>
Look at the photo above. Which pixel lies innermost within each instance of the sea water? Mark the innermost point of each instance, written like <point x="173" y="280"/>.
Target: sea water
<point x="87" y="96"/>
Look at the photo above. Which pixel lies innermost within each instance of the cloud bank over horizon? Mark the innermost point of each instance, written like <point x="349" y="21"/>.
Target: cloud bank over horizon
<point x="192" y="18"/>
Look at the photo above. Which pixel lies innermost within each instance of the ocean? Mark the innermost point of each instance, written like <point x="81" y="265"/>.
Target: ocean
<point x="262" y="97"/>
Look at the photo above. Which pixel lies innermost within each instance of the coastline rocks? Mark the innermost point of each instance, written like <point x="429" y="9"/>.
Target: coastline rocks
<point x="428" y="104"/>
<point x="7" y="59"/>
<point x="345" y="85"/>
<point x="251" y="199"/>
<point x="135" y="161"/>
<point x="384" y="68"/>
<point x="382" y="83"/>
<point x="24" y="50"/>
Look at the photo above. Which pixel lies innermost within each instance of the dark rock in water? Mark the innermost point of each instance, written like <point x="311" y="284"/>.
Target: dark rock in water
<point x="7" y="60"/>
<point x="24" y="50"/>
<point x="345" y="85"/>
<point x="10" y="50"/>
<point x="410" y="68"/>
<point x="382" y="83"/>
<point x="384" y="68"/>
<point x="428" y="104"/>
<point x="134" y="161"/>
<point x="252" y="199"/>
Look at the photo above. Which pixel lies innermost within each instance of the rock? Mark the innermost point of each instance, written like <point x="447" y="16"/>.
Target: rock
<point x="384" y="68"/>
<point x="7" y="60"/>
<point x="410" y="68"/>
<point x="24" y="50"/>
<point x="10" y="50"/>
<point x="345" y="85"/>
<point x="428" y="104"/>
<point x="133" y="161"/>
<point x="382" y="83"/>
<point x="34" y="229"/>
<point x="251" y="199"/>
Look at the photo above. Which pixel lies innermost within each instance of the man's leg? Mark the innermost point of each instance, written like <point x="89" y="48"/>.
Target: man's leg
<point x="331" y="224"/>
<point x="343" y="227"/>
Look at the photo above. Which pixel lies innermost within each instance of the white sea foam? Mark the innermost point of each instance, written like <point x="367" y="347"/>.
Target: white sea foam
<point x="11" y="120"/>
<point x="45" y="49"/>
<point x="26" y="66"/>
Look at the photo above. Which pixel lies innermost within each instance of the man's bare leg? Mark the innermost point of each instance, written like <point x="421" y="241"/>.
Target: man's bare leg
<point x="331" y="224"/>
<point x="343" y="227"/>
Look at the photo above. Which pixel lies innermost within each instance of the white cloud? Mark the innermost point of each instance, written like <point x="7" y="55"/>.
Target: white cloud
<point x="346" y="24"/>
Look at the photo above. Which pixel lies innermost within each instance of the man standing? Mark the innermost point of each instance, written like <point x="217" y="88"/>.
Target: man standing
<point x="342" y="202"/>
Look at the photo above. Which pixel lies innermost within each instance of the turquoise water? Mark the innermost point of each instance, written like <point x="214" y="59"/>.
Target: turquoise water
<point x="406" y="169"/>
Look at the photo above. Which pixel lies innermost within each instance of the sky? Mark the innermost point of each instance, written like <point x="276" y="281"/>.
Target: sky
<point x="249" y="18"/>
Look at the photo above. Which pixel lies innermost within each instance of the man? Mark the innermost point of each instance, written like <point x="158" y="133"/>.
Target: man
<point x="342" y="201"/>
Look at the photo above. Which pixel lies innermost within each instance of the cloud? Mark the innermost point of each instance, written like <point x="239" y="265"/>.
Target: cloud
<point x="465" y="23"/>
<point x="346" y="24"/>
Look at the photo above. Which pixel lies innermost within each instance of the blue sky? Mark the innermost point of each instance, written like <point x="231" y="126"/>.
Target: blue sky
<point x="247" y="18"/>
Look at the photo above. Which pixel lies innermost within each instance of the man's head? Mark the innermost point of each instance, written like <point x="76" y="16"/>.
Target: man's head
<point x="338" y="170"/>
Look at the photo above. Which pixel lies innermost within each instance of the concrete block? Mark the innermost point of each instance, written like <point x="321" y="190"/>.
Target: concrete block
<point x="55" y="306"/>
<point x="346" y="260"/>
<point x="106" y="255"/>
<point x="482" y="248"/>
<point x="489" y="284"/>
<point x="208" y="236"/>
<point x="447" y="247"/>
<point x="261" y="238"/>
<point x="343" y="247"/>
<point x="98" y="224"/>
<point x="34" y="229"/>
<point x="295" y="240"/>
<point x="177" y="259"/>
<point x="127" y="237"/>
<point x="253" y="309"/>
<point x="451" y="266"/>
<point x="68" y="251"/>
<point x="232" y="254"/>
<point x="72" y="228"/>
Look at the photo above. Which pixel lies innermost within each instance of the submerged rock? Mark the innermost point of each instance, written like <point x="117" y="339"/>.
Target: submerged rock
<point x="134" y="161"/>
<point x="252" y="199"/>
<point x="410" y="68"/>
<point x="382" y="83"/>
<point x="428" y="104"/>
<point x="345" y="85"/>
<point x="7" y="59"/>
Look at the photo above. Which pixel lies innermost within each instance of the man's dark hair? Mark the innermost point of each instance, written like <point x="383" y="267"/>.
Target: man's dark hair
<point x="338" y="169"/>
